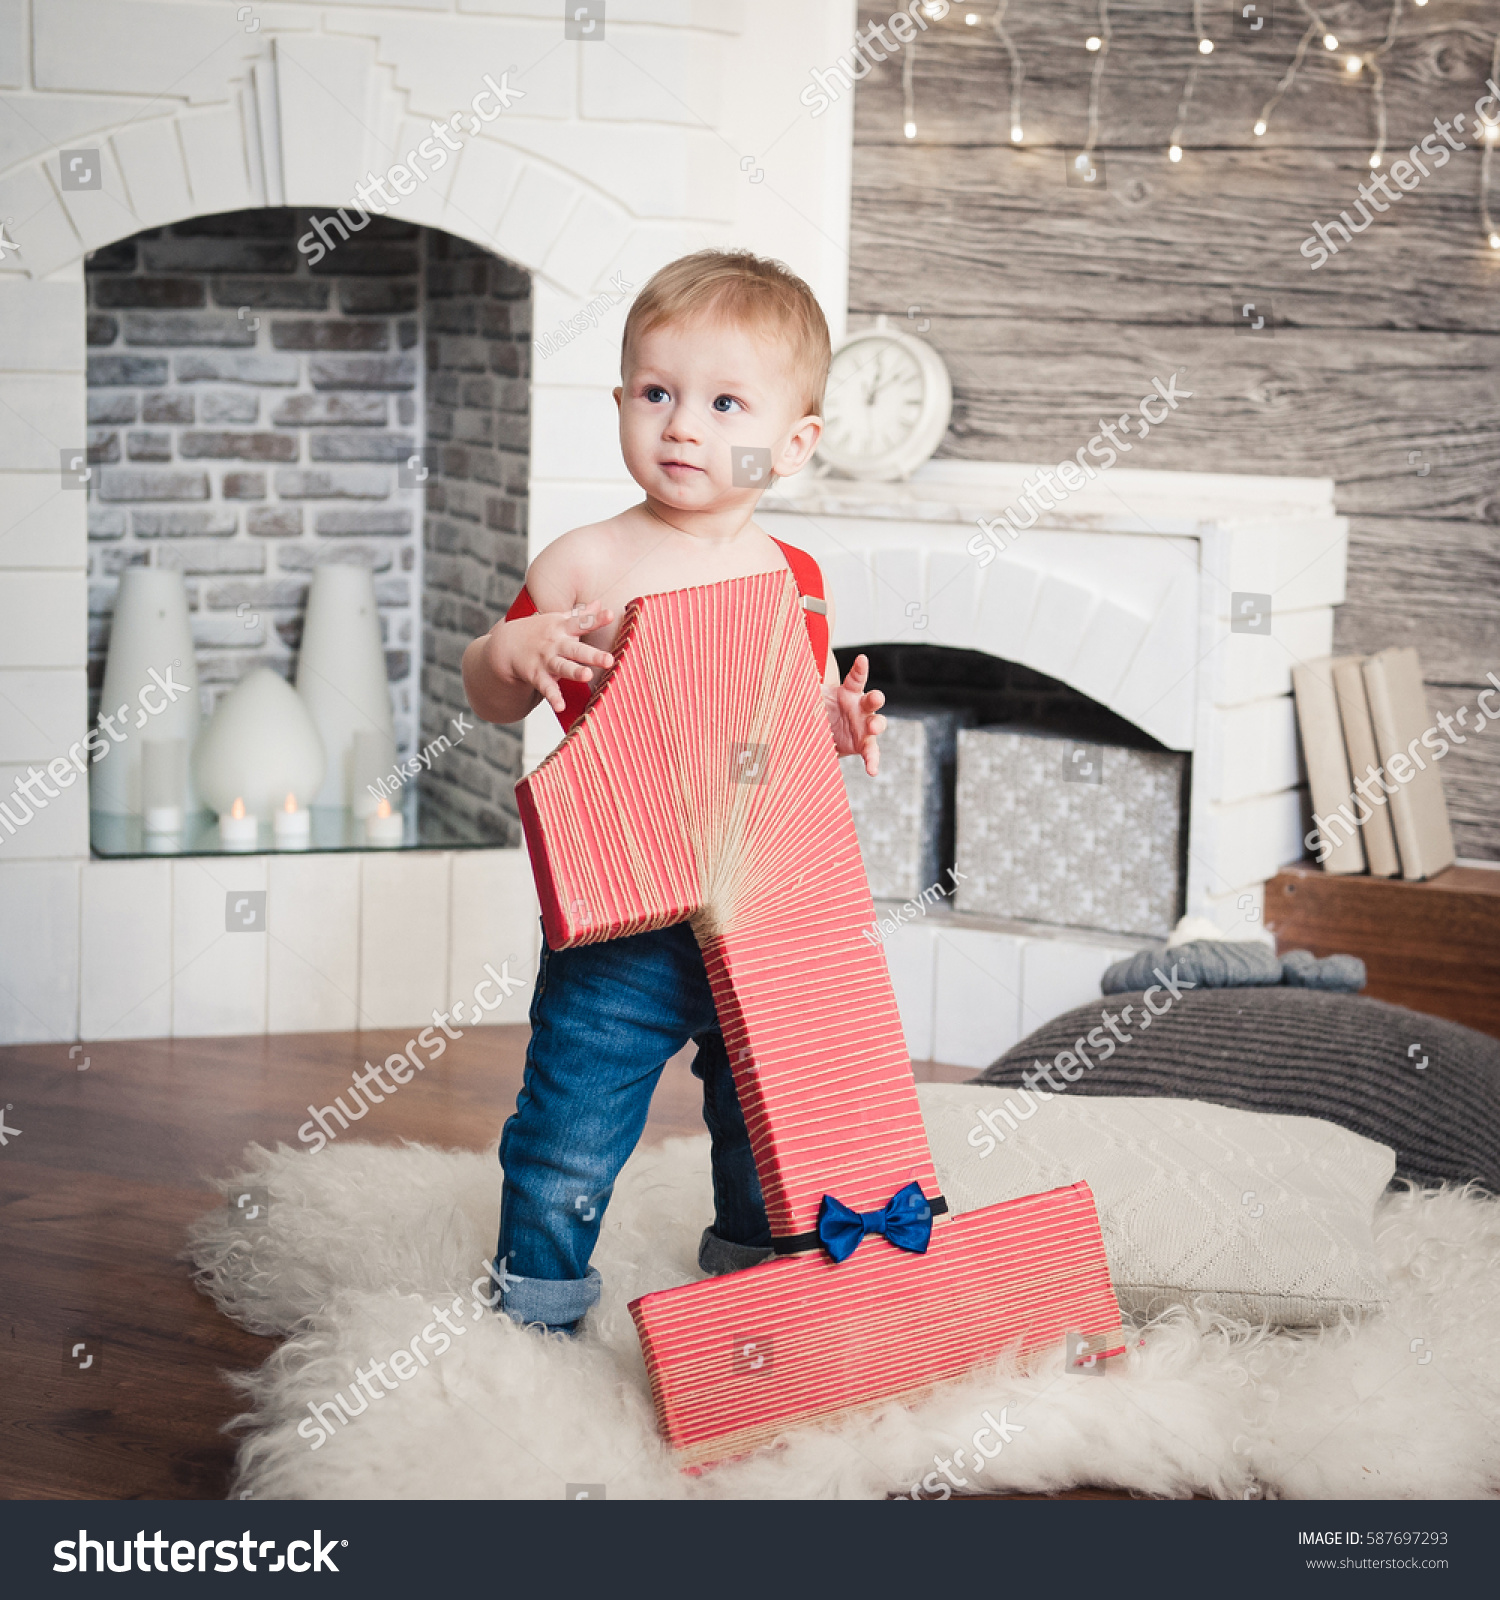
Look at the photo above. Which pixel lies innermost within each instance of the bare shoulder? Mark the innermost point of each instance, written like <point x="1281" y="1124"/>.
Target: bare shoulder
<point x="573" y="568"/>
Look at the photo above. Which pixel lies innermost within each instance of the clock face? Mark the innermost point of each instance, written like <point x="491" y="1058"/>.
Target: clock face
<point x="886" y="407"/>
<point x="875" y="398"/>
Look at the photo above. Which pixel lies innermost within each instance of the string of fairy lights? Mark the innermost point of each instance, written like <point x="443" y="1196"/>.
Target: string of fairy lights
<point x="1491" y="133"/>
<point x="1365" y="64"/>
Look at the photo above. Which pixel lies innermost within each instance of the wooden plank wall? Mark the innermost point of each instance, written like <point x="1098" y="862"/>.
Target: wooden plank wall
<point x="1056" y="305"/>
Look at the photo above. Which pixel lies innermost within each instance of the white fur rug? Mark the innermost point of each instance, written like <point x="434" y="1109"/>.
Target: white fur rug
<point x="362" y="1242"/>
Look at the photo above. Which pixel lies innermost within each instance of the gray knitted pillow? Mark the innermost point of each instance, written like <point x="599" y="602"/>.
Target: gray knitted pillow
<point x="1233" y="964"/>
<point x="1427" y="1087"/>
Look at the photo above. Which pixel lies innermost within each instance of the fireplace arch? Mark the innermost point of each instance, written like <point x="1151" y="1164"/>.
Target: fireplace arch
<point x="257" y="411"/>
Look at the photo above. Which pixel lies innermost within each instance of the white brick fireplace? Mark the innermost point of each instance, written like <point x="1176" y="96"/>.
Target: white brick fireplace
<point x="682" y="127"/>
<point x="625" y="151"/>
<point x="1125" y="592"/>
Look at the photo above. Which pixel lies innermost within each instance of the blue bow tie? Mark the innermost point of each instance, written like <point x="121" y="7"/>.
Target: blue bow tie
<point x="905" y="1220"/>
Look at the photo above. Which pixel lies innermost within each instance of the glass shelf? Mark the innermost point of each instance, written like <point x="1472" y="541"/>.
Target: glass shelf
<point x="333" y="828"/>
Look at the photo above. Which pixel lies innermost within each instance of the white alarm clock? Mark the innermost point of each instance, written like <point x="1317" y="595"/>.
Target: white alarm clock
<point x="887" y="404"/>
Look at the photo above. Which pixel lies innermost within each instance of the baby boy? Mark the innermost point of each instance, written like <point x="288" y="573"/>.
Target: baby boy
<point x="723" y="365"/>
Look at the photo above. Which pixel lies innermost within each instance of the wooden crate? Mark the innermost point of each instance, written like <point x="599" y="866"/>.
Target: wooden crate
<point x="1433" y="946"/>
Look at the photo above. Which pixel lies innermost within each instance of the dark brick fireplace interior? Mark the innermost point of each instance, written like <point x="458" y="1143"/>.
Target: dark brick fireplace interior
<point x="252" y="416"/>
<point x="988" y="691"/>
<point x="993" y="691"/>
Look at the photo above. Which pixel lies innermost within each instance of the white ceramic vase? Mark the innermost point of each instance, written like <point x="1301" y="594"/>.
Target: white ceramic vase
<point x="150" y="631"/>
<point x="341" y="677"/>
<point x="260" y="745"/>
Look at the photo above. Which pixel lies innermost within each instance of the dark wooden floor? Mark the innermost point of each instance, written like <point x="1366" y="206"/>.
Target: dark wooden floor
<point x="115" y="1147"/>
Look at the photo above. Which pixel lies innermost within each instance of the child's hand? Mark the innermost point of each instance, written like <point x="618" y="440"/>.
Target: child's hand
<point x="855" y="716"/>
<point x="542" y="649"/>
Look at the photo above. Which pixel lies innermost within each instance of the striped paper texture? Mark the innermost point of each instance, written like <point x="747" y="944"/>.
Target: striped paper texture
<point x="702" y="783"/>
<point x="735" y="1360"/>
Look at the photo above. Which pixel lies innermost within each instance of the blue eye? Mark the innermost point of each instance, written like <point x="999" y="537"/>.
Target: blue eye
<point x="724" y="402"/>
<point x="655" y="393"/>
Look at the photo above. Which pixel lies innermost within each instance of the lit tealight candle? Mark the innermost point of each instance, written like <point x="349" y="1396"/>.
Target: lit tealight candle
<point x="384" y="826"/>
<point x="236" y="830"/>
<point x="293" y="828"/>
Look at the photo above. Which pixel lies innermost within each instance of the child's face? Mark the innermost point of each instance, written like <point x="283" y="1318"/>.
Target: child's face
<point x="699" y="400"/>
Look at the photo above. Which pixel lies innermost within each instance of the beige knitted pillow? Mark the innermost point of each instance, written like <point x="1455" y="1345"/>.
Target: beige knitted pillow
<point x="1253" y="1214"/>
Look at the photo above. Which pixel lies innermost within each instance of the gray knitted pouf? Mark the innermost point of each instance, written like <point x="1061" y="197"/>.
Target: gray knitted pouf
<point x="1234" y="964"/>
<point x="1206" y="963"/>
<point x="1427" y="1087"/>
<point x="1301" y="969"/>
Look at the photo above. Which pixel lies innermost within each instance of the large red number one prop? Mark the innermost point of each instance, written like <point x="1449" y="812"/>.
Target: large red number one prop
<point x="702" y="785"/>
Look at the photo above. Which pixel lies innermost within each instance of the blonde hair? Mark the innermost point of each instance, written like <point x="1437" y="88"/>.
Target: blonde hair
<point x="748" y="291"/>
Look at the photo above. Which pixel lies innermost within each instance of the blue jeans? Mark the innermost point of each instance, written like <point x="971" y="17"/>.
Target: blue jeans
<point x="605" y="1019"/>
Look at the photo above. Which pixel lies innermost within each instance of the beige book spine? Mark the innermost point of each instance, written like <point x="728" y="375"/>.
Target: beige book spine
<point x="1327" y="765"/>
<point x="1399" y="714"/>
<point x="1364" y="764"/>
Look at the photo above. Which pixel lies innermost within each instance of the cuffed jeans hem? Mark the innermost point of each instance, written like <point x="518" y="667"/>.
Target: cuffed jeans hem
<point x="557" y="1303"/>
<point x="717" y="1256"/>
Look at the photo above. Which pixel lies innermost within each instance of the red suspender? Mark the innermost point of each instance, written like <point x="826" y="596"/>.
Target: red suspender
<point x="808" y="577"/>
<point x="522" y="606"/>
<point x="575" y="691"/>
